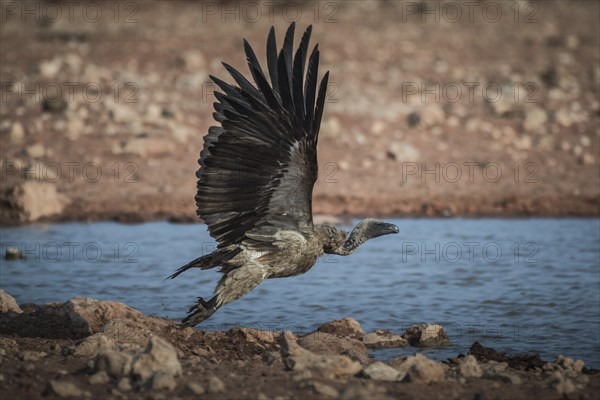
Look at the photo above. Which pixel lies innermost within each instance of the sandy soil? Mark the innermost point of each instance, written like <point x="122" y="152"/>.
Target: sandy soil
<point x="483" y="115"/>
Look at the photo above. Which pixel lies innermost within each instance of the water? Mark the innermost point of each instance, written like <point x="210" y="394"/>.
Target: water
<point x="518" y="285"/>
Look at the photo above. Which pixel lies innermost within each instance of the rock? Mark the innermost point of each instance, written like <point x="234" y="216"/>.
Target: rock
<point x="566" y="365"/>
<point x="426" y="335"/>
<point x="195" y="388"/>
<point x="125" y="385"/>
<point x="63" y="389"/>
<point x="123" y="114"/>
<point x="327" y="344"/>
<point x="17" y="133"/>
<point x="469" y="368"/>
<point x="404" y="152"/>
<point x="92" y="345"/>
<point x="13" y="253"/>
<point x="380" y="371"/>
<point x="420" y="369"/>
<point x="79" y="318"/>
<point x="502" y="377"/>
<point x="432" y="115"/>
<point x="563" y="385"/>
<point x="32" y="355"/>
<point x="114" y="363"/>
<point x="324" y="389"/>
<point x="159" y="357"/>
<point x="563" y="117"/>
<point x="383" y="338"/>
<point x="215" y="385"/>
<point x="33" y="200"/>
<point x="191" y="60"/>
<point x="346" y="327"/>
<point x="54" y="105"/>
<point x="149" y="147"/>
<point x="36" y="150"/>
<point x="8" y="303"/>
<point x="523" y="142"/>
<point x="50" y="68"/>
<point x="161" y="380"/>
<point x="535" y="118"/>
<point x="255" y="335"/>
<point x="413" y="119"/>
<point x="329" y="366"/>
<point x="99" y="378"/>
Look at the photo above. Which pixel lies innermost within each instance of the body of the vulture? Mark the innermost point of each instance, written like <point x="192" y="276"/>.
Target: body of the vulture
<point x="257" y="172"/>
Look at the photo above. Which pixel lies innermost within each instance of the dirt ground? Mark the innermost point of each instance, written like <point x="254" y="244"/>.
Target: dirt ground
<point x="54" y="351"/>
<point x="434" y="108"/>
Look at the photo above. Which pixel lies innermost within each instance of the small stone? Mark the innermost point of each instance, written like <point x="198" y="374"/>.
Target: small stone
<point x="564" y="118"/>
<point x="36" y="151"/>
<point x="380" y="371"/>
<point x="34" y="200"/>
<point x="469" y="368"/>
<point x="413" y="119"/>
<point x="54" y="105"/>
<point x="432" y="115"/>
<point x="324" y="389"/>
<point x="588" y="159"/>
<point x="116" y="364"/>
<point x="215" y="385"/>
<point x="426" y="335"/>
<point x="563" y="385"/>
<point x="63" y="389"/>
<point x="8" y="303"/>
<point x="535" y="118"/>
<point x="99" y="378"/>
<point x="382" y="338"/>
<point x="403" y="152"/>
<point x="420" y="369"/>
<point x="17" y="133"/>
<point x="523" y="143"/>
<point x="159" y="356"/>
<point x="327" y="344"/>
<point x="32" y="355"/>
<point x="125" y="384"/>
<point x="192" y="60"/>
<point x="195" y="388"/>
<point x="346" y="327"/>
<point x="585" y="141"/>
<point x="92" y="345"/>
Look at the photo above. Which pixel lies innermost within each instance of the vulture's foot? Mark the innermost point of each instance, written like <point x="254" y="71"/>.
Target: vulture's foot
<point x="199" y="312"/>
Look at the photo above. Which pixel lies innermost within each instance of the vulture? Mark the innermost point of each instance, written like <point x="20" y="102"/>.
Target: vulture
<point x="257" y="172"/>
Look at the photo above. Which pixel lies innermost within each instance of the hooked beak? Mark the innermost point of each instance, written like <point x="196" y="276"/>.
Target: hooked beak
<point x="388" y="228"/>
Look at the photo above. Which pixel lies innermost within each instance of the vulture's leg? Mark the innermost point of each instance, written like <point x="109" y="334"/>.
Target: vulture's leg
<point x="231" y="287"/>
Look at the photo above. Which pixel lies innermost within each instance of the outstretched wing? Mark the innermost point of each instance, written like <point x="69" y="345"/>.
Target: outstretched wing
<point x="258" y="169"/>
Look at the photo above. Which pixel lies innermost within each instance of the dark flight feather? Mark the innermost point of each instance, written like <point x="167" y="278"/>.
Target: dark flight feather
<point x="257" y="170"/>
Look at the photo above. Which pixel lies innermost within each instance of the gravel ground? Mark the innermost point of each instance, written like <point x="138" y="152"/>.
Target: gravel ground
<point x="493" y="111"/>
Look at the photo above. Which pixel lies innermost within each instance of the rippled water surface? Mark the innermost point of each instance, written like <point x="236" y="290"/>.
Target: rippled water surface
<point x="518" y="285"/>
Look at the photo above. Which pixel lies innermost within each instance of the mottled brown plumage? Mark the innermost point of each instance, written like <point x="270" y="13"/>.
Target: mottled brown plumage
<point x="256" y="177"/>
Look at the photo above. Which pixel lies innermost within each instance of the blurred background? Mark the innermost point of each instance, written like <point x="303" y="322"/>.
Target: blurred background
<point x="434" y="108"/>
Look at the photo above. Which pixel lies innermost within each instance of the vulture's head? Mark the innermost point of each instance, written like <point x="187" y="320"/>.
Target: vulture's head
<point x="371" y="228"/>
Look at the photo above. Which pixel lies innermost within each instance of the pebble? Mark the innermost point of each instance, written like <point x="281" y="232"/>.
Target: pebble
<point x="215" y="385"/>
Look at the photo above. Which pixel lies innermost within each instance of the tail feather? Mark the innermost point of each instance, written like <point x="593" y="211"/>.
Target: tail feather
<point x="203" y="262"/>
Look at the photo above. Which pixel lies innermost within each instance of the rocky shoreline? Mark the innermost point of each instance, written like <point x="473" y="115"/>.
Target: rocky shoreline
<point x="86" y="348"/>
